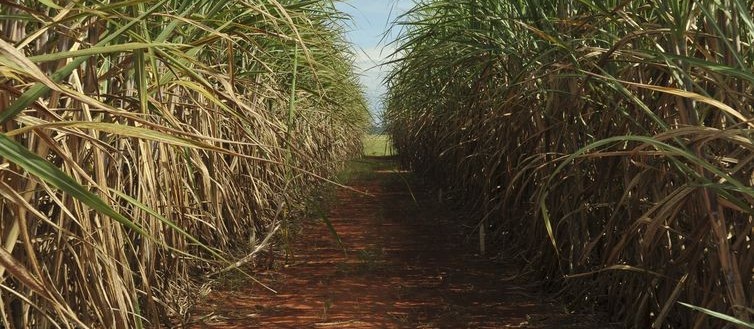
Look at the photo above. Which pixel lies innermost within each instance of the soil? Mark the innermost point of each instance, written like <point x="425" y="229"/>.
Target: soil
<point x="407" y="264"/>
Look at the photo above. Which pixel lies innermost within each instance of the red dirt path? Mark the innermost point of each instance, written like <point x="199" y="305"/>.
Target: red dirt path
<point x="407" y="266"/>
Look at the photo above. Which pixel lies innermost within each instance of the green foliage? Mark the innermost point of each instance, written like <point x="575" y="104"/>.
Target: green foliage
<point x="377" y="145"/>
<point x="609" y="141"/>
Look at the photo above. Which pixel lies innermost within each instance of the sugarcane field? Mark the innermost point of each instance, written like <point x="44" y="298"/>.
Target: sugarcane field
<point x="579" y="164"/>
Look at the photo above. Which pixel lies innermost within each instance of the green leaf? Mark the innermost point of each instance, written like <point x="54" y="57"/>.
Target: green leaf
<point x="50" y="3"/>
<point x="136" y="132"/>
<point x="39" y="167"/>
<point x="719" y="315"/>
<point x="98" y="50"/>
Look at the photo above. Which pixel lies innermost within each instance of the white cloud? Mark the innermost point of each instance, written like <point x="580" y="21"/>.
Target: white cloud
<point x="370" y="19"/>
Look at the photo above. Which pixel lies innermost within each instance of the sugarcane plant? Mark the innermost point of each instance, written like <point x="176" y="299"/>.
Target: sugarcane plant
<point x="608" y="143"/>
<point x="145" y="143"/>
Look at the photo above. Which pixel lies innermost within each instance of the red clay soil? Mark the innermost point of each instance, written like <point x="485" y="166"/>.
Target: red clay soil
<point x="408" y="265"/>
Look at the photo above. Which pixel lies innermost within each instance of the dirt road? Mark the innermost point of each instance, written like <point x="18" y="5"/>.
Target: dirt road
<point x="407" y="265"/>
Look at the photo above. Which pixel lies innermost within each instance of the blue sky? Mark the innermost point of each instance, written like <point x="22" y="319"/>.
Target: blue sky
<point x="371" y="18"/>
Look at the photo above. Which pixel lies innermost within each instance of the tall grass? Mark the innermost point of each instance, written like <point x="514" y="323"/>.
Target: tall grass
<point x="144" y="140"/>
<point x="609" y="142"/>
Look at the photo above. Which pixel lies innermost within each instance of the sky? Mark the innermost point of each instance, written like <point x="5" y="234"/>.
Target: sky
<point x="370" y="20"/>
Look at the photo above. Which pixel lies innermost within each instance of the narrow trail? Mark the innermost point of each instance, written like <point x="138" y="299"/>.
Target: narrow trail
<point x="407" y="266"/>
